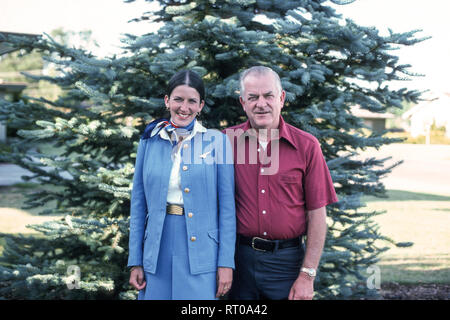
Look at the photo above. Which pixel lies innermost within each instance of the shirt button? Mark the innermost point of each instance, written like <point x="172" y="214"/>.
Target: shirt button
<point x="185" y="168"/>
<point x="263" y="191"/>
<point x="185" y="146"/>
<point x="265" y="233"/>
<point x="264" y="212"/>
<point x="193" y="238"/>
<point x="186" y="190"/>
<point x="190" y="214"/>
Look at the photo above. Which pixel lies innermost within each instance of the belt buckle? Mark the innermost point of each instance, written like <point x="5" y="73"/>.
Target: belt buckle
<point x="174" y="209"/>
<point x="253" y="244"/>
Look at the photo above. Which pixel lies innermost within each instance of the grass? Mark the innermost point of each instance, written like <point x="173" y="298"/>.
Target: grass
<point x="13" y="219"/>
<point x="437" y="136"/>
<point x="401" y="195"/>
<point x="423" y="219"/>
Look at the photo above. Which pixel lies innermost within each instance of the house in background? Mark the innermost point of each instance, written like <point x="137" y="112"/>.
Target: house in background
<point x="433" y="111"/>
<point x="375" y="121"/>
<point x="9" y="90"/>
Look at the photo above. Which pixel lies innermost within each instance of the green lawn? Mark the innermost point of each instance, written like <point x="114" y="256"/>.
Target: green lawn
<point x="13" y="219"/>
<point x="423" y="219"/>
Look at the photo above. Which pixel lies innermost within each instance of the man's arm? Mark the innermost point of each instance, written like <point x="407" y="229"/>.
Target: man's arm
<point x="303" y="287"/>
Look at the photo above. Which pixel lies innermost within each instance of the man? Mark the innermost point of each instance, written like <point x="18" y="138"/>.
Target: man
<point x="281" y="195"/>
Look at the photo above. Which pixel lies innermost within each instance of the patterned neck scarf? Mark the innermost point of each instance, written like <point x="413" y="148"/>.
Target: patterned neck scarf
<point x="178" y="134"/>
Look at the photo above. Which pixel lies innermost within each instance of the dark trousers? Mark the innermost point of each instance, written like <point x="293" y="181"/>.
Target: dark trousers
<point x="265" y="275"/>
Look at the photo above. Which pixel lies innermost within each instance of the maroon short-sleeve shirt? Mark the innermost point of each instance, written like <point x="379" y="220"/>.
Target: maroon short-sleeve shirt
<point x="276" y="185"/>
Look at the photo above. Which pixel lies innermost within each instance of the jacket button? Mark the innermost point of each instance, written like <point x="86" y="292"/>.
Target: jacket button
<point x="190" y="214"/>
<point x="186" y="190"/>
<point x="193" y="238"/>
<point x="185" y="168"/>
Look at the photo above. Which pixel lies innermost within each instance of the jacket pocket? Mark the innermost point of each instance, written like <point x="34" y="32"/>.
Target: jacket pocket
<point x="214" y="234"/>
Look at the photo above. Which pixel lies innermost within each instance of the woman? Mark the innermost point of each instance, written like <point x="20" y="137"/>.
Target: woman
<point x="182" y="224"/>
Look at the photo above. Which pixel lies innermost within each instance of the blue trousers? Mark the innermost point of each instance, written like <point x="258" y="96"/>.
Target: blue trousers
<point x="265" y="275"/>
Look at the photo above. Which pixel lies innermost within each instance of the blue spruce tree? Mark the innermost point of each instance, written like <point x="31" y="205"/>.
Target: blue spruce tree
<point x="326" y="64"/>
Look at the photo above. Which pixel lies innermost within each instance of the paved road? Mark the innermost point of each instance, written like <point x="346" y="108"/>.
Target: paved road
<point x="426" y="168"/>
<point x="11" y="174"/>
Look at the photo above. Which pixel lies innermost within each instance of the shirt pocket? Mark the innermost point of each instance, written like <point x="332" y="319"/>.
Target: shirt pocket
<point x="290" y="178"/>
<point x="290" y="189"/>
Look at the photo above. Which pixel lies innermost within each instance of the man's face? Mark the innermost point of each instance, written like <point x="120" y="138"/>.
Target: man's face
<point x="262" y="101"/>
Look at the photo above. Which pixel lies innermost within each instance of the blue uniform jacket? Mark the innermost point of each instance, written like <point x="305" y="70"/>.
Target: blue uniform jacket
<point x="207" y="183"/>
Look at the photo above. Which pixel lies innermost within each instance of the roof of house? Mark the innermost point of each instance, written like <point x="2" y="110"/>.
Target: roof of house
<point x="12" y="87"/>
<point x="5" y="46"/>
<point x="357" y="111"/>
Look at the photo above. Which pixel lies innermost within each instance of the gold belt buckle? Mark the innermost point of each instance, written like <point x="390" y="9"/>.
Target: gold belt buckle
<point x="175" y="209"/>
<point x="253" y="244"/>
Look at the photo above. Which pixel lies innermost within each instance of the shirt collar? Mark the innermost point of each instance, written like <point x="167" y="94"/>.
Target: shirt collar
<point x="284" y="131"/>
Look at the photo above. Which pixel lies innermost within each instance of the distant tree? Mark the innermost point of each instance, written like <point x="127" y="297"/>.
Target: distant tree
<point x="19" y="61"/>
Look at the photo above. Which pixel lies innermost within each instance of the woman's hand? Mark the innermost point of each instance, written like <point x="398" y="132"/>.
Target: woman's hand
<point x="137" y="279"/>
<point x="224" y="280"/>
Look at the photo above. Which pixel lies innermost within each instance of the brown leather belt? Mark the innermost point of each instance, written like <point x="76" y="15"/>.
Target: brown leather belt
<point x="174" y="209"/>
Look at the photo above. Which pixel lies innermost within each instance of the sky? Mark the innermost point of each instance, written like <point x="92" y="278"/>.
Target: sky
<point x="430" y="57"/>
<point x="108" y="19"/>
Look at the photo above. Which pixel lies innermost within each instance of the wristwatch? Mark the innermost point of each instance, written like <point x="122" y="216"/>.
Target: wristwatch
<point x="309" y="271"/>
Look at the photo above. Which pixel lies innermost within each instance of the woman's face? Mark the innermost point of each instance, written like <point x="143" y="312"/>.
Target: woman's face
<point x="184" y="104"/>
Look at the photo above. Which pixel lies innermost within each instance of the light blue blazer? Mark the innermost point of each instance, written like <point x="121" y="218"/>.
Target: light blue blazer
<point x="207" y="183"/>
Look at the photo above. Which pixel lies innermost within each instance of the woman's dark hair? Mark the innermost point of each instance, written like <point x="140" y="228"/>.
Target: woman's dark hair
<point x="188" y="78"/>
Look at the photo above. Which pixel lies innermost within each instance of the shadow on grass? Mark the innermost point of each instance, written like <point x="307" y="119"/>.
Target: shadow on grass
<point x="441" y="209"/>
<point x="409" y="273"/>
<point x="428" y="269"/>
<point x="400" y="195"/>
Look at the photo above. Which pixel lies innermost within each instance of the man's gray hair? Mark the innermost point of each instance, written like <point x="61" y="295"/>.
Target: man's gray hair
<point x="259" y="70"/>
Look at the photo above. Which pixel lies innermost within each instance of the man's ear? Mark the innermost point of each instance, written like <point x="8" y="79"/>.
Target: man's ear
<point x="241" y="100"/>
<point x="282" y="98"/>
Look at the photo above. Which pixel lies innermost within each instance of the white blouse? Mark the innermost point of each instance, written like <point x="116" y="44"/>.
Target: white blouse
<point x="175" y="195"/>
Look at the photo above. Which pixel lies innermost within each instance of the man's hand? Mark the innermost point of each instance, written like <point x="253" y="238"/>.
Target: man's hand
<point x="137" y="279"/>
<point x="224" y="280"/>
<point x="303" y="288"/>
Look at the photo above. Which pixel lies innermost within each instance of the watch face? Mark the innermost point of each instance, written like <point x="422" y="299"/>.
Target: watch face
<point x="310" y="272"/>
